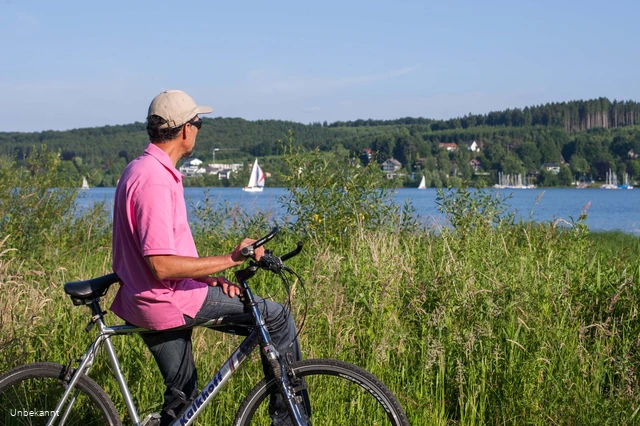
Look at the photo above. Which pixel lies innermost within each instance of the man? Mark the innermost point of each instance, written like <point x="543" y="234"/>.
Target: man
<point x="164" y="283"/>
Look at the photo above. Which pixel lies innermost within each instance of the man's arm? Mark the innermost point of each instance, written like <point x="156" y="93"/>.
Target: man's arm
<point x="168" y="266"/>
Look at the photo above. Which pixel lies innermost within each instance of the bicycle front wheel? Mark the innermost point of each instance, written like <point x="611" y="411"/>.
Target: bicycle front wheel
<point x="29" y="395"/>
<point x="340" y="394"/>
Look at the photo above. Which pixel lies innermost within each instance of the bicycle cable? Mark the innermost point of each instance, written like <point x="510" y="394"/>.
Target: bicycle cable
<point x="288" y="288"/>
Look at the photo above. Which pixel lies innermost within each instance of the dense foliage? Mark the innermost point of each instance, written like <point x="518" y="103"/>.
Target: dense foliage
<point x="586" y="137"/>
<point x="486" y="322"/>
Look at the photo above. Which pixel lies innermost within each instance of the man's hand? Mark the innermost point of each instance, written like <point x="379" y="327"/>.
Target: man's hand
<point x="228" y="288"/>
<point x="237" y="256"/>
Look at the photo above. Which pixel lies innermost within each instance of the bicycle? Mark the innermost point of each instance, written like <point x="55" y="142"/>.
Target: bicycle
<point x="340" y="393"/>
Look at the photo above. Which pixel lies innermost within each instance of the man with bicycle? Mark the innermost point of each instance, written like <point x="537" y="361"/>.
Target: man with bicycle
<point x="164" y="283"/>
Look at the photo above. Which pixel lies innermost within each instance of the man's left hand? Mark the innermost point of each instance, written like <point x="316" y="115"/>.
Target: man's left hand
<point x="228" y="288"/>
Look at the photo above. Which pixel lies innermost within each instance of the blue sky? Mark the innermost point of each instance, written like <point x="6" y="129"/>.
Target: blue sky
<point x="73" y="64"/>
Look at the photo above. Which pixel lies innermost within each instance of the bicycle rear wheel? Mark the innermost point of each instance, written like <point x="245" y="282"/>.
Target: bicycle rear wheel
<point x="29" y="395"/>
<point x="340" y="394"/>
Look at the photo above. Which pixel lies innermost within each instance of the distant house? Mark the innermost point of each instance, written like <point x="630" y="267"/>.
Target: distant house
<point x="420" y="163"/>
<point x="221" y="167"/>
<point x="471" y="146"/>
<point x="475" y="165"/>
<point x="551" y="167"/>
<point x="365" y="156"/>
<point x="192" y="168"/>
<point x="224" y="174"/>
<point x="391" y="165"/>
<point x="448" y="146"/>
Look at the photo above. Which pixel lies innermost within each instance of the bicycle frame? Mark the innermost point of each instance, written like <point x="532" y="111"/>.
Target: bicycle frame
<point x="258" y="336"/>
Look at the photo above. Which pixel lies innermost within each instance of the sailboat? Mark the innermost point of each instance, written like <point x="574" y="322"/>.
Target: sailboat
<point x="612" y="181"/>
<point x="256" y="181"/>
<point x="85" y="184"/>
<point x="626" y="185"/>
<point x="423" y="183"/>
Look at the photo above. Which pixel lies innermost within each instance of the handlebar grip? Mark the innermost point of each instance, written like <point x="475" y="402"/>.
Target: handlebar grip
<point x="293" y="252"/>
<point x="248" y="251"/>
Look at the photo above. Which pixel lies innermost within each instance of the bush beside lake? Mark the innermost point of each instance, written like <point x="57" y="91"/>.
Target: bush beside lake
<point x="489" y="321"/>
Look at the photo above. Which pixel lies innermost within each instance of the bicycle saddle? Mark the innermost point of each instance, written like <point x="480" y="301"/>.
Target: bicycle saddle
<point x="83" y="292"/>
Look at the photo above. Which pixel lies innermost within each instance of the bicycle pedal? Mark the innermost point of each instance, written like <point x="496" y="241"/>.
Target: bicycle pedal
<point x="152" y="419"/>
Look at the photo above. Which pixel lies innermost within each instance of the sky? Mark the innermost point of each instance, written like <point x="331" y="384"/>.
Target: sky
<point x="76" y="64"/>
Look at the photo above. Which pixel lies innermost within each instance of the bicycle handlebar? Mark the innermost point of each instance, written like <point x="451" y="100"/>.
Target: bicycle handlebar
<point x="292" y="252"/>
<point x="249" y="251"/>
<point x="268" y="261"/>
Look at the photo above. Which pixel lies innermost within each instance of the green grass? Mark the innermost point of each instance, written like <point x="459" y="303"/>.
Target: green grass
<point x="491" y="322"/>
<point x="618" y="244"/>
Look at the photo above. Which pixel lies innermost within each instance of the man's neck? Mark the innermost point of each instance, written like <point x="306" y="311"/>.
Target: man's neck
<point x="172" y="149"/>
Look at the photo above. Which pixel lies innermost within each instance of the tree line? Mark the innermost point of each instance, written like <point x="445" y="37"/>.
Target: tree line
<point x="587" y="137"/>
<point x="573" y="115"/>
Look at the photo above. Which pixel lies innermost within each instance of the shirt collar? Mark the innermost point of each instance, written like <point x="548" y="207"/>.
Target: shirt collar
<point x="163" y="159"/>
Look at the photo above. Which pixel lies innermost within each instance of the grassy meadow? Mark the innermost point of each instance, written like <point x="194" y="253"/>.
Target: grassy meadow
<point x="490" y="321"/>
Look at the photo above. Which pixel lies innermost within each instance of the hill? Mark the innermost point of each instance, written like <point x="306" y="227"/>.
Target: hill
<point x="588" y="136"/>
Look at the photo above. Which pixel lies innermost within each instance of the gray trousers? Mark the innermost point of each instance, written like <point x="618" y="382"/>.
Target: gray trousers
<point x="173" y="353"/>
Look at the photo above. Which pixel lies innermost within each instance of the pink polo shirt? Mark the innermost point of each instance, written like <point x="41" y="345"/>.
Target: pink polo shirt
<point x="150" y="218"/>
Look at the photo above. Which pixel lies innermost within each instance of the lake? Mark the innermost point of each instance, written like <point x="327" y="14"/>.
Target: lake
<point x="608" y="209"/>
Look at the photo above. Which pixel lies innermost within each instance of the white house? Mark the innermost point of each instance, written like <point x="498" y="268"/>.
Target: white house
<point x="551" y="167"/>
<point x="471" y="146"/>
<point x="192" y="168"/>
<point x="223" y="167"/>
<point x="391" y="165"/>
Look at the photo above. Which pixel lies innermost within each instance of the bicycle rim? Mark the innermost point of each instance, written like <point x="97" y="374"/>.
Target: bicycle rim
<point x="340" y="394"/>
<point x="30" y="393"/>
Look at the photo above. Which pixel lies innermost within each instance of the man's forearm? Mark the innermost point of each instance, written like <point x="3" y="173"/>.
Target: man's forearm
<point x="167" y="267"/>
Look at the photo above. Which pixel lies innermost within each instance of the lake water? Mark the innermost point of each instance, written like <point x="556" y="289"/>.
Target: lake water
<point x="608" y="209"/>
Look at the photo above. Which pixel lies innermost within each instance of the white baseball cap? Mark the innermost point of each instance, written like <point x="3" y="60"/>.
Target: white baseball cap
<point x="176" y="107"/>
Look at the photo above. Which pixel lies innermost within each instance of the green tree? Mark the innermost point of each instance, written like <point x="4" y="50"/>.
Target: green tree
<point x="547" y="179"/>
<point x="69" y="172"/>
<point x="530" y="155"/>
<point x="549" y="152"/>
<point x="444" y="162"/>
<point x="512" y="165"/>
<point x="565" y="178"/>
<point x="634" y="168"/>
<point x="578" y="164"/>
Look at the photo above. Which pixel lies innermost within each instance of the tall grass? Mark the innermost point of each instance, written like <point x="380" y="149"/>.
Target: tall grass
<point x="487" y="322"/>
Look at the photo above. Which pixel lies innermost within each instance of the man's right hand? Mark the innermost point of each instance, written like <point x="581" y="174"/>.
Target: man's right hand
<point x="237" y="256"/>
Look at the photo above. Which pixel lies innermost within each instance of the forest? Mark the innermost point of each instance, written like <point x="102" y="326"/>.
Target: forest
<point x="585" y="139"/>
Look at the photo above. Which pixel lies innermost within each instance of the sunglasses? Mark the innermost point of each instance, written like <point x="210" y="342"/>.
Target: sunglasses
<point x="196" y="124"/>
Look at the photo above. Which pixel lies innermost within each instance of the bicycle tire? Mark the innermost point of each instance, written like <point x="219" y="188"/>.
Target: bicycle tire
<point x="340" y="394"/>
<point x="29" y="393"/>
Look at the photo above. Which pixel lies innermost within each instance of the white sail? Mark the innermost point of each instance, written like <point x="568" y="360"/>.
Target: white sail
<point x="612" y="181"/>
<point x="423" y="183"/>
<point x="256" y="180"/>
<point x="85" y="184"/>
